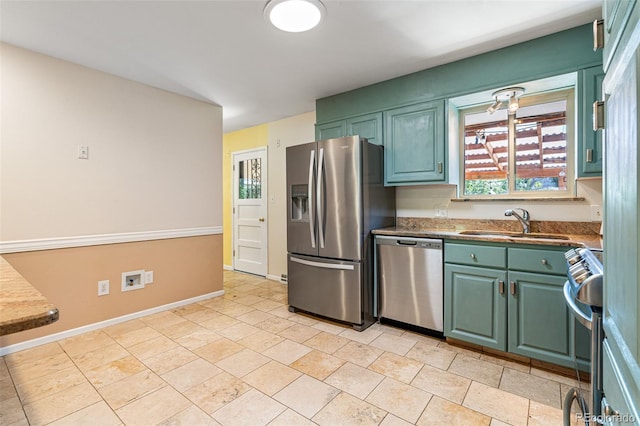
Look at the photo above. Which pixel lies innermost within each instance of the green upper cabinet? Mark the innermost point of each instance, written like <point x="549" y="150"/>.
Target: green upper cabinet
<point x="334" y="129"/>
<point x="589" y="140"/>
<point x="616" y="15"/>
<point x="367" y="126"/>
<point x="415" y="144"/>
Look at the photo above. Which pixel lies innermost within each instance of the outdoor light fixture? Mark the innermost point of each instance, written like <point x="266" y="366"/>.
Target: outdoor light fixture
<point x="510" y="94"/>
<point x="294" y="16"/>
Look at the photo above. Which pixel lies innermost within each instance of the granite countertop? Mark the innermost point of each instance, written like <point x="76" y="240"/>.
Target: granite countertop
<point x="575" y="234"/>
<point x="21" y="306"/>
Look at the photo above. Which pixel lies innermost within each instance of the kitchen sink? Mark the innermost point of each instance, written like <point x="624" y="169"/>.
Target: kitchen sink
<point x="509" y="234"/>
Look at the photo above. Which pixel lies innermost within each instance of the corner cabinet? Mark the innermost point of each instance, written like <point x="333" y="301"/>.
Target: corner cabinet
<point x="510" y="299"/>
<point x="414" y="143"/>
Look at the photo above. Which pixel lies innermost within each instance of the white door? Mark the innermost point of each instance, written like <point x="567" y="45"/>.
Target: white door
<point x="250" y="211"/>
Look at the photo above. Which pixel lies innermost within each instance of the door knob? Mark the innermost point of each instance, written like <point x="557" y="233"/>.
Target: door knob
<point x="261" y="219"/>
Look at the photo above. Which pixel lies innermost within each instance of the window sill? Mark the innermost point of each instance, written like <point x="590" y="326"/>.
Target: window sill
<point x="494" y="200"/>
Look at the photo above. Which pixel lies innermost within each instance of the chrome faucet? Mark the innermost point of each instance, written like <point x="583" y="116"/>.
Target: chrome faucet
<point x="524" y="219"/>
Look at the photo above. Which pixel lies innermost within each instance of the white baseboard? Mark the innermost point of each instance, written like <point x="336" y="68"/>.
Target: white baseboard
<point x="269" y="277"/>
<point x="98" y="325"/>
<point x="276" y="278"/>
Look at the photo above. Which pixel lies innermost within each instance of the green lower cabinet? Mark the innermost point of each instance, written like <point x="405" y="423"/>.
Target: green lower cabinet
<point x="541" y="325"/>
<point x="476" y="309"/>
<point x="512" y="301"/>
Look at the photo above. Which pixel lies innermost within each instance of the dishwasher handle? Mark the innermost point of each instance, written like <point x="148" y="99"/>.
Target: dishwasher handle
<point x="424" y="243"/>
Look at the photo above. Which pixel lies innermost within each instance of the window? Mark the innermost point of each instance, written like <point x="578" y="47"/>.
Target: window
<point x="250" y="179"/>
<point x="527" y="154"/>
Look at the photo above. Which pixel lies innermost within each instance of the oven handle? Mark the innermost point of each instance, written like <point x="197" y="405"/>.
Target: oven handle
<point x="571" y="302"/>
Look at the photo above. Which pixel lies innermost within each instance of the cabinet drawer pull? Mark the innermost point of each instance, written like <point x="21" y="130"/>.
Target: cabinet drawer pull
<point x="544" y="262"/>
<point x="473" y="256"/>
<point x="512" y="288"/>
<point x="501" y="287"/>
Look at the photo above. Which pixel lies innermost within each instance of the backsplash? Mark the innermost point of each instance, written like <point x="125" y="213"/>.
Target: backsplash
<point x="550" y="227"/>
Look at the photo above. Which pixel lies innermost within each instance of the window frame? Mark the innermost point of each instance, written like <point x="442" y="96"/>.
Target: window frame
<point x="567" y="94"/>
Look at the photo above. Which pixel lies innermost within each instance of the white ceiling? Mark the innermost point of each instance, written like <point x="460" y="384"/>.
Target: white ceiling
<point x="224" y="52"/>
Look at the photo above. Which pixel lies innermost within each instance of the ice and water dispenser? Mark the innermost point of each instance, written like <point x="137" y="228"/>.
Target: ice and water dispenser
<point x="300" y="202"/>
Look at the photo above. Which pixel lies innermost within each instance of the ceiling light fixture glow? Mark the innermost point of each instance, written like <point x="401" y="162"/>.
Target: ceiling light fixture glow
<point x="294" y="16"/>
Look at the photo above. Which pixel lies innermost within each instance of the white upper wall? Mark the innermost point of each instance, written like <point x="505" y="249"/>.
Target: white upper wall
<point x="154" y="157"/>
<point x="283" y="133"/>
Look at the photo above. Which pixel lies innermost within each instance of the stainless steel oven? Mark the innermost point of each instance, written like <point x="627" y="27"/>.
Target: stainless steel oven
<point x="583" y="295"/>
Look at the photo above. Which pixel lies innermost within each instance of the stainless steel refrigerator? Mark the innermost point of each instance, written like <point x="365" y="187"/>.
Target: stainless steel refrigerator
<point x="335" y="197"/>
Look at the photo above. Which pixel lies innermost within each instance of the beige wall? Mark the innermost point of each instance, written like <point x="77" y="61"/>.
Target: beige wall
<point x="241" y="140"/>
<point x="276" y="135"/>
<point x="154" y="167"/>
<point x="283" y="133"/>
<point x="183" y="268"/>
<point x="154" y="157"/>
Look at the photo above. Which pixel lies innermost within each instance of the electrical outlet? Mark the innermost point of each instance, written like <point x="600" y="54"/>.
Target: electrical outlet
<point x="596" y="213"/>
<point x="441" y="211"/>
<point x="148" y="277"/>
<point x="103" y="287"/>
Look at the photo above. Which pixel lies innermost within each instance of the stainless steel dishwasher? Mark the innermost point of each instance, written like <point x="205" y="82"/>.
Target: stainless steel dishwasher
<point x="410" y="277"/>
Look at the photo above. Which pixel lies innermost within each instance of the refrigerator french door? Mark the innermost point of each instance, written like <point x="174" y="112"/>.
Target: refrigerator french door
<point x="331" y="185"/>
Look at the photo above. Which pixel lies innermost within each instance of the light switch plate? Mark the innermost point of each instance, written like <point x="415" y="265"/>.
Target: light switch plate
<point x="83" y="152"/>
<point x="148" y="277"/>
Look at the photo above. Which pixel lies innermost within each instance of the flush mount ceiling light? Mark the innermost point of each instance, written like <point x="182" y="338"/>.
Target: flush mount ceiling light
<point x="510" y="94"/>
<point x="294" y="16"/>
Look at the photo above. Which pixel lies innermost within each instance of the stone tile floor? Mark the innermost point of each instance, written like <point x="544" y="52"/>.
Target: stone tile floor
<point x="244" y="359"/>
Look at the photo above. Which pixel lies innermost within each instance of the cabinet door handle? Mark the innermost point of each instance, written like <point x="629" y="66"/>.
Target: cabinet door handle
<point x="439" y="167"/>
<point x="598" y="116"/>
<point x="512" y="288"/>
<point x="501" y="286"/>
<point x="598" y="34"/>
<point x="590" y="155"/>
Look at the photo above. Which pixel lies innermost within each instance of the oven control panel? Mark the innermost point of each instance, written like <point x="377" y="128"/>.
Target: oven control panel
<point x="586" y="276"/>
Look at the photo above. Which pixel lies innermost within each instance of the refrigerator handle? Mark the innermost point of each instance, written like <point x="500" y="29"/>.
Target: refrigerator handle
<point x="319" y="198"/>
<point x="312" y="159"/>
<point x="322" y="265"/>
